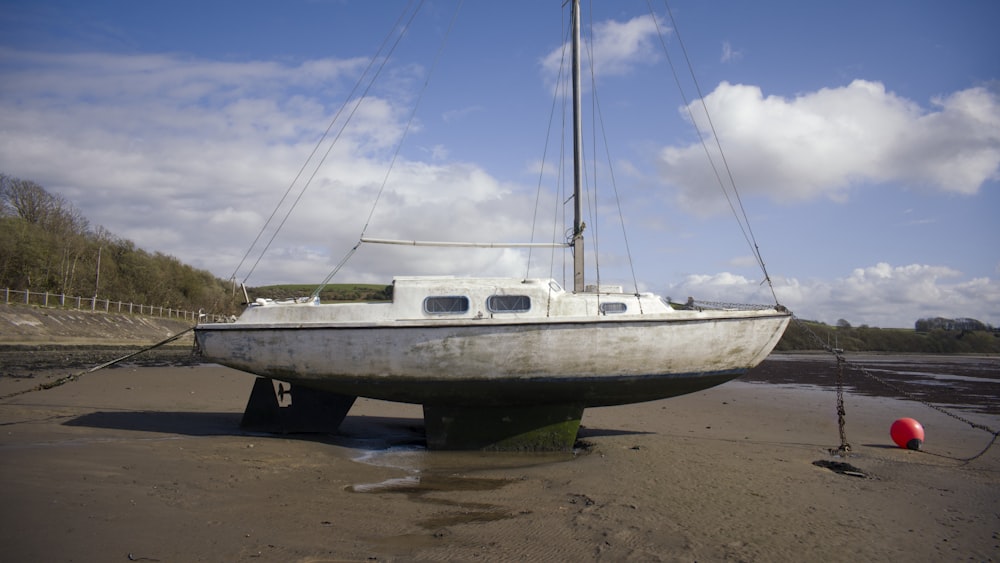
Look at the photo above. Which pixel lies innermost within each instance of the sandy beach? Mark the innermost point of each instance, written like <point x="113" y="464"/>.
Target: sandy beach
<point x="149" y="464"/>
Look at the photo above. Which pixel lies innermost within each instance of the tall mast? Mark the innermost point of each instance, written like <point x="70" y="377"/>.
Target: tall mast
<point x="578" y="225"/>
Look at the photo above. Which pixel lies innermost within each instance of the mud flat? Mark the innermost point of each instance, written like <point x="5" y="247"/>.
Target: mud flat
<point x="966" y="383"/>
<point x="148" y="463"/>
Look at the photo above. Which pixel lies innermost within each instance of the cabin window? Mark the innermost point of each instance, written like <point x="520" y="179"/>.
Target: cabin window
<point x="613" y="307"/>
<point x="452" y="304"/>
<point x="508" y="303"/>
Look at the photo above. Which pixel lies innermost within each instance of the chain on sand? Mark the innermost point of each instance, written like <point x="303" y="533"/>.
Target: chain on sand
<point x="841" y="362"/>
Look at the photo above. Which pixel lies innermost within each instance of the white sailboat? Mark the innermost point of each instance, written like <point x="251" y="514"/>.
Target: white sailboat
<point x="504" y="363"/>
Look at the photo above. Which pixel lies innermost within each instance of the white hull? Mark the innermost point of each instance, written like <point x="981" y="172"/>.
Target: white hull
<point x="528" y="358"/>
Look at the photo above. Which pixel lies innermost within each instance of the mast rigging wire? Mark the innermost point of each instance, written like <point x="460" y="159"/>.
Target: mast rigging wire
<point x="395" y="154"/>
<point x="741" y="217"/>
<point x="323" y="138"/>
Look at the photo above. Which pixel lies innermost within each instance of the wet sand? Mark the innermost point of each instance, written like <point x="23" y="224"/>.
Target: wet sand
<point x="149" y="464"/>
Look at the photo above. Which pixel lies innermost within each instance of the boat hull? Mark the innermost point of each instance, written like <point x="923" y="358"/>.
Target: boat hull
<point x="485" y="363"/>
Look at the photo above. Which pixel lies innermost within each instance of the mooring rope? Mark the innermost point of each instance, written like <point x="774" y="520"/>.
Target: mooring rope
<point x="842" y="361"/>
<point x="75" y="376"/>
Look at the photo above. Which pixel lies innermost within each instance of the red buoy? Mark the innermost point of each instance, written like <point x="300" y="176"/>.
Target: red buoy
<point x="907" y="433"/>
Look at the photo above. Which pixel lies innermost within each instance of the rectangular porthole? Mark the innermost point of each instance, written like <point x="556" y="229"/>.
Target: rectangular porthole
<point x="613" y="307"/>
<point x="508" y="303"/>
<point x="446" y="305"/>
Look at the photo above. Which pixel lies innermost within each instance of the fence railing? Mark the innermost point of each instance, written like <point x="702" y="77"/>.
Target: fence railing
<point x="62" y="301"/>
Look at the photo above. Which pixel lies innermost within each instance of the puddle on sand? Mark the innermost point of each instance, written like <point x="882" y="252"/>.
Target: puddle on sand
<point x="418" y="459"/>
<point x="433" y="474"/>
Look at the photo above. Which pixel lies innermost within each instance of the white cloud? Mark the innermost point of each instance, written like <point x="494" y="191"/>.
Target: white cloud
<point x="729" y="55"/>
<point x="189" y="157"/>
<point x="617" y="47"/>
<point x="881" y="295"/>
<point x="825" y="143"/>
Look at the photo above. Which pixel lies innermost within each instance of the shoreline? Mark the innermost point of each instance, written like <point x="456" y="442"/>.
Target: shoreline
<point x="966" y="383"/>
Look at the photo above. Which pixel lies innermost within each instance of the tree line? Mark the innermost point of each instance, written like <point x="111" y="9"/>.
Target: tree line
<point x="960" y="324"/>
<point x="46" y="244"/>
<point x="943" y="339"/>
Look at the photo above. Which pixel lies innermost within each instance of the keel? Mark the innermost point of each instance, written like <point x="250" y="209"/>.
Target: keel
<point x="511" y="428"/>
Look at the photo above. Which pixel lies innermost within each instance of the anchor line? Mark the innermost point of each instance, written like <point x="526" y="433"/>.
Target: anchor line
<point x="842" y="362"/>
<point x="73" y="377"/>
<point x="845" y="447"/>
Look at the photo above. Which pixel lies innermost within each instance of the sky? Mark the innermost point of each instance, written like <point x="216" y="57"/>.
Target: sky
<point x="863" y="139"/>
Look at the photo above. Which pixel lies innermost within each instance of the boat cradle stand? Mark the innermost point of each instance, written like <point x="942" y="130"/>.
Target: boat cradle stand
<point x="308" y="410"/>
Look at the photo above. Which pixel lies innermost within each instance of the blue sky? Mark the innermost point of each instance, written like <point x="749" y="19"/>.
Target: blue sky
<point x="864" y="138"/>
